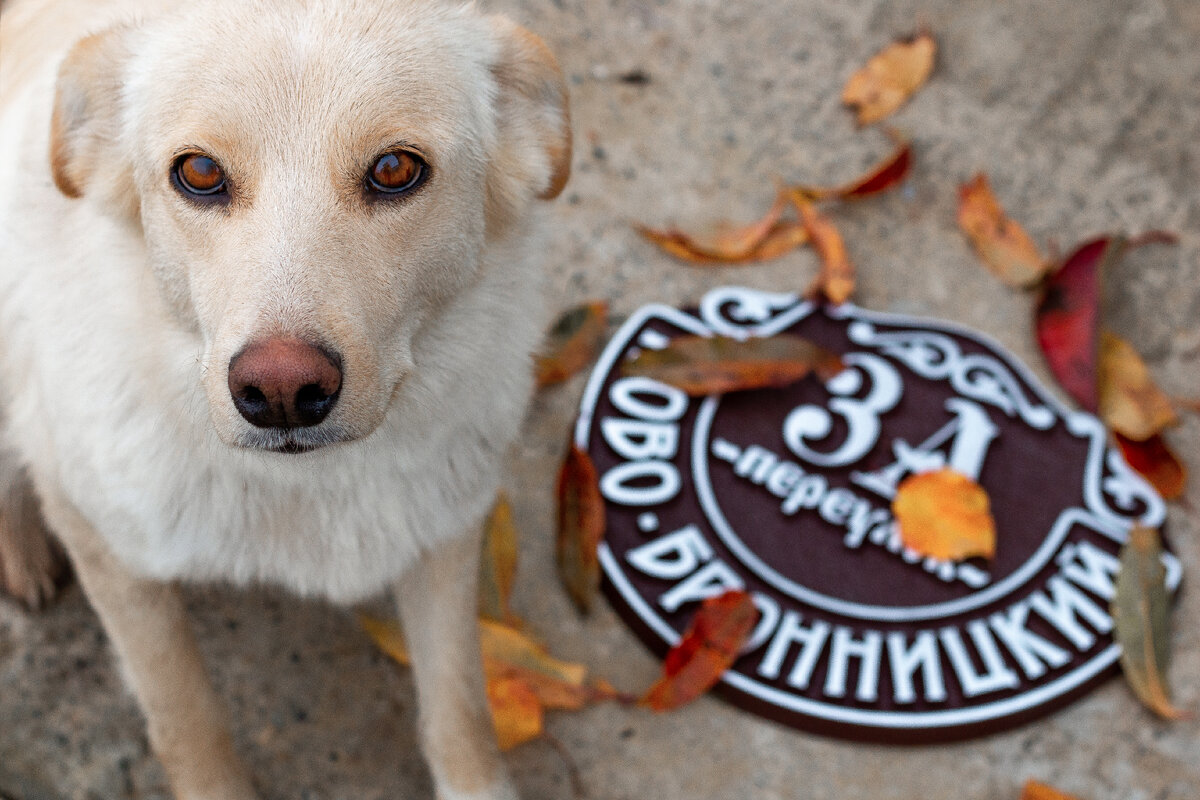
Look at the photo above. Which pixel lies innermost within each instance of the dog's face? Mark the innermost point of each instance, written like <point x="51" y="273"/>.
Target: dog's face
<point x="312" y="184"/>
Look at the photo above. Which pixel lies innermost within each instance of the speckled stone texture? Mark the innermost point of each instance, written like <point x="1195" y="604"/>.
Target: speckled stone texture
<point x="1085" y="114"/>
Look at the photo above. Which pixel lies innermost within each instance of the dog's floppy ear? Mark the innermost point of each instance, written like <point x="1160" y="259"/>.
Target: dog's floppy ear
<point x="85" y="124"/>
<point x="534" y="122"/>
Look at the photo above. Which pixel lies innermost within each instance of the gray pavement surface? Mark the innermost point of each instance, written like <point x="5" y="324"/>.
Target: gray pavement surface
<point x="1087" y="117"/>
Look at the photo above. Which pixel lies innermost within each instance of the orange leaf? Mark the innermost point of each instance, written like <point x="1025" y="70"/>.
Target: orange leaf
<point x="703" y="365"/>
<point x="888" y="173"/>
<point x="516" y="711"/>
<point x="944" y="515"/>
<point x="1002" y="244"/>
<point x="890" y="78"/>
<point x="836" y="279"/>
<point x="580" y="527"/>
<point x="758" y="241"/>
<point x="1141" y="614"/>
<point x="573" y="342"/>
<point x="1039" y="791"/>
<point x="1130" y="402"/>
<point x="711" y="644"/>
<point x="1155" y="462"/>
<point x="498" y="566"/>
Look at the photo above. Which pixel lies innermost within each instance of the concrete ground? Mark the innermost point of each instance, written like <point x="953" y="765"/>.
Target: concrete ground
<point x="1087" y="116"/>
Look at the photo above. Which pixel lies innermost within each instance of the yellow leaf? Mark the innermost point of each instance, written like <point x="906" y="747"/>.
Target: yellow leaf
<point x="944" y="515"/>
<point x="890" y="78"/>
<point x="1130" y="402"/>
<point x="1035" y="790"/>
<point x="1002" y="244"/>
<point x="572" y="343"/>
<point x="498" y="567"/>
<point x="836" y="280"/>
<point x="516" y="711"/>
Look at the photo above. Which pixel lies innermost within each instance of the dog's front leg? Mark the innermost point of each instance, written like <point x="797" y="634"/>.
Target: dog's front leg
<point x="147" y="625"/>
<point x="437" y="602"/>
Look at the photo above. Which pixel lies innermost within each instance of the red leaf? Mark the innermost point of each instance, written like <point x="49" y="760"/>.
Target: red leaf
<point x="709" y="647"/>
<point x="1155" y="462"/>
<point x="888" y="173"/>
<point x="1068" y="318"/>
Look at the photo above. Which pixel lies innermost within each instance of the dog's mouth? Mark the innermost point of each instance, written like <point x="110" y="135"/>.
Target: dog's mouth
<point x="291" y="441"/>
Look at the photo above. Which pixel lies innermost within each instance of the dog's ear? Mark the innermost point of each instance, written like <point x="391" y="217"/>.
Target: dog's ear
<point x="86" y="120"/>
<point x="534" y="121"/>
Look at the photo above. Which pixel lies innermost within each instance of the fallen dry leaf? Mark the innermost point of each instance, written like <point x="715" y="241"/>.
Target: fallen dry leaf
<point x="702" y="365"/>
<point x="581" y="525"/>
<point x="1039" y="791"/>
<point x="511" y="655"/>
<point x="517" y="715"/>
<point x="835" y="282"/>
<point x="498" y="565"/>
<point x="1068" y="314"/>
<point x="572" y="343"/>
<point x="944" y="515"/>
<point x="1129" y="401"/>
<point x="1154" y="461"/>
<point x="890" y="78"/>
<point x="1002" y="244"/>
<point x="889" y="173"/>
<point x="768" y="237"/>
<point x="1141" y="621"/>
<point x="708" y="648"/>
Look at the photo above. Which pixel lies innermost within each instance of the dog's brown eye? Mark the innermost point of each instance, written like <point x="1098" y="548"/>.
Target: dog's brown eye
<point x="200" y="175"/>
<point x="396" y="172"/>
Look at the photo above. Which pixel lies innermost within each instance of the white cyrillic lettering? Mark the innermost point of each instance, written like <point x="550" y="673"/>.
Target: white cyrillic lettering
<point x="768" y="618"/>
<point x="623" y="395"/>
<point x="714" y="578"/>
<point x="862" y="518"/>
<point x="661" y="477"/>
<point x="636" y="439"/>
<point x="904" y="662"/>
<point x="1091" y="568"/>
<point x="837" y="505"/>
<point x="807" y="494"/>
<point x="811" y="641"/>
<point x="755" y="462"/>
<point x="672" y="556"/>
<point x="995" y="676"/>
<point x="1064" y="603"/>
<point x="783" y="478"/>
<point x="845" y="647"/>
<point x="1029" y="649"/>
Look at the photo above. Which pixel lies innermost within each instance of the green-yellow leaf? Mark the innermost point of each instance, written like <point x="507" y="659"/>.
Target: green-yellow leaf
<point x="1140" y="612"/>
<point x="498" y="566"/>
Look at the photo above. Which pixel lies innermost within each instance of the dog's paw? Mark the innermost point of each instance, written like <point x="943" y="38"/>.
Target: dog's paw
<point x="32" y="565"/>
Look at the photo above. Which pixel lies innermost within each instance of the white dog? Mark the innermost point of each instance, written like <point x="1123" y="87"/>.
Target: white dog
<point x="266" y="311"/>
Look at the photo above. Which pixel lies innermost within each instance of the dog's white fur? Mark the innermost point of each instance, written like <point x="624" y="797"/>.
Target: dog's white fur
<point x="122" y="303"/>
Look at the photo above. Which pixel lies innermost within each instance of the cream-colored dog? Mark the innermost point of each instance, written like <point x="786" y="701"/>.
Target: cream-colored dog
<point x="266" y="310"/>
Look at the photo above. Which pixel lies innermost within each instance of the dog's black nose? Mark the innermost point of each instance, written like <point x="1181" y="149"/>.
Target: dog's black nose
<point x="284" y="383"/>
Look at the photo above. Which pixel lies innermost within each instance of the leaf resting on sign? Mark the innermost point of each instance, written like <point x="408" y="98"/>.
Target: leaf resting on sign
<point x="580" y="527"/>
<point x="498" y="565"/>
<point x="1155" y="462"/>
<point x="1002" y="244"/>
<point x="1141" y="620"/>
<point x="711" y="644"/>
<point x="1130" y="402"/>
<point x="769" y="237"/>
<point x="1039" y="791"/>
<point x="702" y="365"/>
<point x="890" y="78"/>
<point x="887" y="174"/>
<point x="944" y="515"/>
<point x="572" y="343"/>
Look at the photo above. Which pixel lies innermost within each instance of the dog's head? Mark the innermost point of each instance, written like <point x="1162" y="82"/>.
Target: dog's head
<point x="312" y="181"/>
